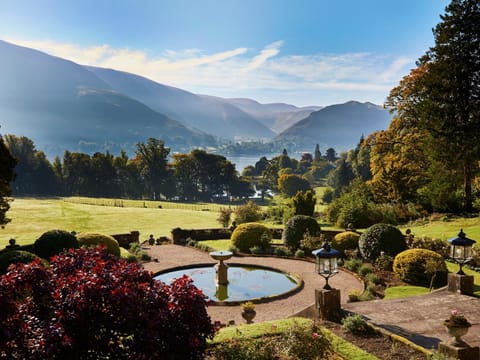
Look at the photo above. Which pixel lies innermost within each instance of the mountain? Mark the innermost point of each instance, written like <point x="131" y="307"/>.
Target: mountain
<point x="207" y="113"/>
<point x="276" y="116"/>
<point x="62" y="105"/>
<point x="339" y="126"/>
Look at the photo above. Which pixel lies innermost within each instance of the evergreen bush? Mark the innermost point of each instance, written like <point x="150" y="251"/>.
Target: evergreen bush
<point x="297" y="227"/>
<point x="344" y="241"/>
<point x="53" y="242"/>
<point x="419" y="266"/>
<point x="381" y="239"/>
<point x="14" y="257"/>
<point x="91" y="239"/>
<point x="249" y="235"/>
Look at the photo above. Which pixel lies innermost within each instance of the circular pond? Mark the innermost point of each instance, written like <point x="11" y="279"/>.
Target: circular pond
<point x="244" y="282"/>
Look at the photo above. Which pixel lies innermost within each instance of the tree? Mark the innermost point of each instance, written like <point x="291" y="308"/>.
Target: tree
<point x="7" y="175"/>
<point x="317" y="154"/>
<point x="330" y="154"/>
<point x="290" y="184"/>
<point x="151" y="159"/>
<point x="304" y="203"/>
<point x="442" y="96"/>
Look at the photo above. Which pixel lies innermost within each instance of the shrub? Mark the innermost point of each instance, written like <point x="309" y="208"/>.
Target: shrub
<point x="52" y="312"/>
<point x="384" y="262"/>
<point x="352" y="264"/>
<point x="423" y="242"/>
<point x="417" y="267"/>
<point x="297" y="227"/>
<point x="248" y="235"/>
<point x="282" y="251"/>
<point x="310" y="243"/>
<point x="93" y="239"/>
<point x="306" y="343"/>
<point x="304" y="203"/>
<point x="53" y="242"/>
<point x="250" y="212"/>
<point x="224" y="216"/>
<point x="381" y="238"/>
<point x="299" y="253"/>
<point x="344" y="241"/>
<point x="14" y="257"/>
<point x="365" y="269"/>
<point x="357" y="325"/>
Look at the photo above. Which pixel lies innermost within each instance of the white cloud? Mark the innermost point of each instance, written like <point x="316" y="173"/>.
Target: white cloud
<point x="242" y="71"/>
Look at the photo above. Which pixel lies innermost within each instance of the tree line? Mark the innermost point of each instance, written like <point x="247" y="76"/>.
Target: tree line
<point x="197" y="176"/>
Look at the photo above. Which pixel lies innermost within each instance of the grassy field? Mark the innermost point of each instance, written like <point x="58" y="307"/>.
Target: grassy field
<point x="32" y="217"/>
<point x="446" y="229"/>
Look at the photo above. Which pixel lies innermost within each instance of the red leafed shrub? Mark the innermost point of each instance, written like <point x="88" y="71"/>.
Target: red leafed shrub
<point x="88" y="304"/>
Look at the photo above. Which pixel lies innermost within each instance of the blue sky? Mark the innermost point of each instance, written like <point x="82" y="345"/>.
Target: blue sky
<point x="303" y="52"/>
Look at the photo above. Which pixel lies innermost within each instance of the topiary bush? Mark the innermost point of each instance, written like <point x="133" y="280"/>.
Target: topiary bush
<point x="53" y="242"/>
<point x="91" y="239"/>
<point x="380" y="238"/>
<point x="296" y="228"/>
<point x="344" y="241"/>
<point x="421" y="267"/>
<point x="249" y="235"/>
<point x="52" y="312"/>
<point x="14" y="257"/>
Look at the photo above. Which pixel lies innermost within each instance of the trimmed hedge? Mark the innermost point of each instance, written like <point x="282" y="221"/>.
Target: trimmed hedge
<point x="411" y="265"/>
<point x="296" y="228"/>
<point x="14" y="257"/>
<point x="347" y="240"/>
<point x="381" y="237"/>
<point x="249" y="235"/>
<point x="94" y="239"/>
<point x="53" y="242"/>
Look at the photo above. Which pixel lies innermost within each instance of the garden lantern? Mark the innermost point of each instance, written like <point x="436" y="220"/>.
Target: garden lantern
<point x="326" y="262"/>
<point x="461" y="250"/>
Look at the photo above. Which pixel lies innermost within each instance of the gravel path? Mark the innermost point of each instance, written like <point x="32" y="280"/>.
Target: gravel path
<point x="170" y="256"/>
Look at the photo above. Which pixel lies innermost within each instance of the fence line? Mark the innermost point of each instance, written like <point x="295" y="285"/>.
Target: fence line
<point x="150" y="204"/>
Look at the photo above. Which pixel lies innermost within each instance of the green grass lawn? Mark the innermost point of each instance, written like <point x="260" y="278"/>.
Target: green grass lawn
<point x="447" y="229"/>
<point x="32" y="217"/>
<point x="396" y="292"/>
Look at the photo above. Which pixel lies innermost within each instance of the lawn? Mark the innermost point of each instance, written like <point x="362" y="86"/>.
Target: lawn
<point x="32" y="217"/>
<point x="446" y="228"/>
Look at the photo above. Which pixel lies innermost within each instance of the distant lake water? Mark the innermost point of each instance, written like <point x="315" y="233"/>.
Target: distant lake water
<point x="243" y="161"/>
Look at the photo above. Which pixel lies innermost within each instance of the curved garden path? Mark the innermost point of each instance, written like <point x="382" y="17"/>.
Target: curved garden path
<point x="169" y="256"/>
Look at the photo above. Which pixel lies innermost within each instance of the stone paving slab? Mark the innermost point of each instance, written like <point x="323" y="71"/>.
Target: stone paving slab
<point x="419" y="318"/>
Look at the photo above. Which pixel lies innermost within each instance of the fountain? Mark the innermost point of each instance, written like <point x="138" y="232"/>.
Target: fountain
<point x="232" y="283"/>
<point x="221" y="270"/>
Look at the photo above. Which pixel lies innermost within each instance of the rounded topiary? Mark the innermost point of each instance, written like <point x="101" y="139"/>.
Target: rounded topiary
<point x="249" y="235"/>
<point x="296" y="228"/>
<point x="94" y="239"/>
<point x="417" y="266"/>
<point x="54" y="242"/>
<point x="14" y="257"/>
<point x="380" y="238"/>
<point x="347" y="240"/>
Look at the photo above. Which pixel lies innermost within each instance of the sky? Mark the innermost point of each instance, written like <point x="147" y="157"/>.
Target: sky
<point x="301" y="52"/>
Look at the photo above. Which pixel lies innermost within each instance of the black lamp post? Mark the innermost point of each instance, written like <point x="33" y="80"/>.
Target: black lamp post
<point x="461" y="250"/>
<point x="326" y="262"/>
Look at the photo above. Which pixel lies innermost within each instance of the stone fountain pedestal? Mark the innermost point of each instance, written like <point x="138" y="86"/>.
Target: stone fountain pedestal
<point x="221" y="269"/>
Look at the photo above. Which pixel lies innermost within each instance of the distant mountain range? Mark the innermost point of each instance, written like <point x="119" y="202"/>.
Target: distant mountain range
<point x="63" y="105"/>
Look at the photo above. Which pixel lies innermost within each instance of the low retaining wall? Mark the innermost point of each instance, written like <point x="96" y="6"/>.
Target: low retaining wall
<point x="124" y="240"/>
<point x="179" y="236"/>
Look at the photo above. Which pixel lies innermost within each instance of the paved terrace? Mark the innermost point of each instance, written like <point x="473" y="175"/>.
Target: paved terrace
<point x="418" y="319"/>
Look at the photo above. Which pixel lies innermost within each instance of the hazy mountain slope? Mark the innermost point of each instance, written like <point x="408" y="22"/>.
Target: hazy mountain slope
<point x="276" y="116"/>
<point x="207" y="113"/>
<point x="62" y="105"/>
<point x="338" y="126"/>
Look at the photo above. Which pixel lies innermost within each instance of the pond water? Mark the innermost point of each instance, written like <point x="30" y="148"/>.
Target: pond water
<point x="245" y="282"/>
